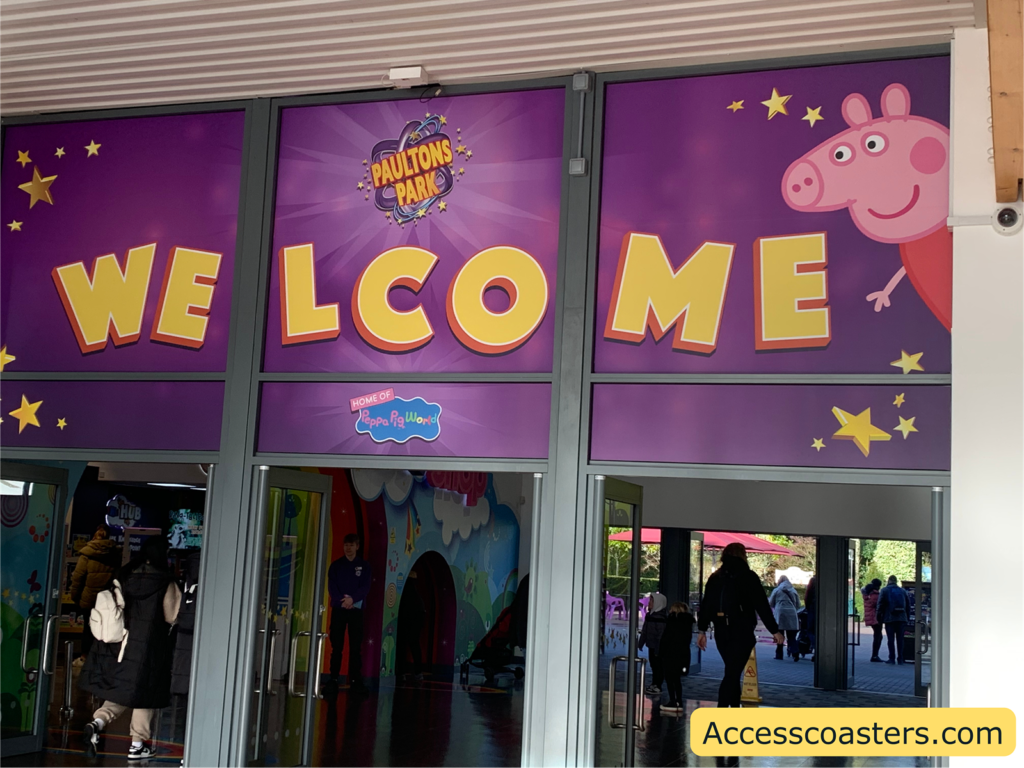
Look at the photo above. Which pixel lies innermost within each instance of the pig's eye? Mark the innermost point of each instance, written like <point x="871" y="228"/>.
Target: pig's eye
<point x="874" y="143"/>
<point x="842" y="154"/>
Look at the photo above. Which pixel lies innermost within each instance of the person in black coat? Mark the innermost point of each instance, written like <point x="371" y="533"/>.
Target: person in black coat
<point x="894" y="612"/>
<point x="181" y="666"/>
<point x="733" y="599"/>
<point x="675" y="653"/>
<point x="650" y="635"/>
<point x="140" y="679"/>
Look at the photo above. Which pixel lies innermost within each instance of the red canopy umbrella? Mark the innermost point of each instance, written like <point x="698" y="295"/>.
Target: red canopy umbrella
<point x="712" y="540"/>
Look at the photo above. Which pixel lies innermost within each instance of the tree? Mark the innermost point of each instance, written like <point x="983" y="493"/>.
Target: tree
<point x="892" y="558"/>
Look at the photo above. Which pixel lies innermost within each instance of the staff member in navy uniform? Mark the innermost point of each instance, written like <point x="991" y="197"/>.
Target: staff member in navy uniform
<point x="348" y="582"/>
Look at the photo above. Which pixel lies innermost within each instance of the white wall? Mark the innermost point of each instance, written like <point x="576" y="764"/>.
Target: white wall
<point x="861" y="511"/>
<point x="516" y="491"/>
<point x="987" y="579"/>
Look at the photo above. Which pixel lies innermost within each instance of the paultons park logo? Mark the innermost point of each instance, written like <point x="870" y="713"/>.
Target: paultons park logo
<point x="412" y="172"/>
<point x="385" y="417"/>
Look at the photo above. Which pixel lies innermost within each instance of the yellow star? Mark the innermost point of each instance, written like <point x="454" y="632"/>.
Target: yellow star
<point x="900" y="399"/>
<point x="908" y="362"/>
<point x="469" y="153"/>
<point x="906" y="426"/>
<point x="23" y="158"/>
<point x="15" y="225"/>
<point x="427" y="115"/>
<point x="776" y="104"/>
<point x="813" y="115"/>
<point x="460" y="149"/>
<point x="461" y="171"/>
<point x="736" y="105"/>
<point x="62" y="423"/>
<point x="60" y="152"/>
<point x="420" y="213"/>
<point x="818" y="444"/>
<point x="444" y="120"/>
<point x="415" y="136"/>
<point x="442" y="206"/>
<point x="7" y="592"/>
<point x="359" y="185"/>
<point x="859" y="429"/>
<point x="5" y="358"/>
<point x="26" y="414"/>
<point x="93" y="148"/>
<point x="364" y="162"/>
<point x="39" y="188"/>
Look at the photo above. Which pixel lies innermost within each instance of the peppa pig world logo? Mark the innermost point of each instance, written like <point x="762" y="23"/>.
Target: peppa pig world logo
<point x="412" y="172"/>
<point x="385" y="417"/>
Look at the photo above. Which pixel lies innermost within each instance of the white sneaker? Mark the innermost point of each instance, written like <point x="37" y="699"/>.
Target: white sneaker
<point x="143" y="752"/>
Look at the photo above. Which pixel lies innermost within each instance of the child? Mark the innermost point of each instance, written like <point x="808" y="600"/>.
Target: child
<point x="675" y="653"/>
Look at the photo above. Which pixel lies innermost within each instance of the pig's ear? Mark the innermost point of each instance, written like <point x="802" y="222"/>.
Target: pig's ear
<point x="856" y="110"/>
<point x="895" y="101"/>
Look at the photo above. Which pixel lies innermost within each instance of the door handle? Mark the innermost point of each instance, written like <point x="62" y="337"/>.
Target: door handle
<point x="24" y="648"/>
<point x="612" y="668"/>
<point x="319" y="663"/>
<point x="48" y="654"/>
<point x="270" y="665"/>
<point x="639" y="725"/>
<point x="291" y="666"/>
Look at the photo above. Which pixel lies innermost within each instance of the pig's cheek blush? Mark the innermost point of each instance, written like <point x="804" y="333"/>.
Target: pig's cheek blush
<point x="928" y="155"/>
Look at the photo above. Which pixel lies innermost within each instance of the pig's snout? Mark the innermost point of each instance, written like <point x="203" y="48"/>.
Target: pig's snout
<point x="802" y="186"/>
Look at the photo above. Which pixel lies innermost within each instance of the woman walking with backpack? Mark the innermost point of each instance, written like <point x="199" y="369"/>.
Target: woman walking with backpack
<point x="786" y="603"/>
<point x="136" y="672"/>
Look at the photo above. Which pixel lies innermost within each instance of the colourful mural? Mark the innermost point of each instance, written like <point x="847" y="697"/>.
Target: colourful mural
<point x="479" y="542"/>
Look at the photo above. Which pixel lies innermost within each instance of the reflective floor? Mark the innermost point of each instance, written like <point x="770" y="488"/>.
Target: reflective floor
<point x="432" y="722"/>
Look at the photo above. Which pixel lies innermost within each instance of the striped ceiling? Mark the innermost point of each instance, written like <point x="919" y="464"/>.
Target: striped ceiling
<point x="76" y="54"/>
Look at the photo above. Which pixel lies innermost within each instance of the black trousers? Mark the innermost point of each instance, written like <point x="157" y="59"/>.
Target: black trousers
<point x="352" y="618"/>
<point x="876" y="641"/>
<point x="734" y="648"/>
<point x="894" y="635"/>
<point x="791" y="643"/>
<point x="673" y="677"/>
<point x="657" y="670"/>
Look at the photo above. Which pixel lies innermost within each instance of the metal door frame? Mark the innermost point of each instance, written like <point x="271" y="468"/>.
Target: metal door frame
<point x="287" y="479"/>
<point x="43" y="475"/>
<point x="695" y="668"/>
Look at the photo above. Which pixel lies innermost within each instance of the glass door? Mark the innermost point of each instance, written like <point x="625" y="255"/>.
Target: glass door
<point x="921" y="604"/>
<point x="853" y="626"/>
<point x="696" y="590"/>
<point x="32" y="538"/>
<point x="293" y="508"/>
<point x="622" y="673"/>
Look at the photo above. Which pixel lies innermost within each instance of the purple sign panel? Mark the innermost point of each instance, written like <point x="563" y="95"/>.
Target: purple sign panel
<point x="406" y="419"/>
<point x="119" y="243"/>
<point x="870" y="426"/>
<point x="417" y="235"/>
<point x="791" y="221"/>
<point x="123" y="415"/>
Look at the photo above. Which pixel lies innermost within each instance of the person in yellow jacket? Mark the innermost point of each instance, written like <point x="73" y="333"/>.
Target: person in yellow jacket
<point x="97" y="562"/>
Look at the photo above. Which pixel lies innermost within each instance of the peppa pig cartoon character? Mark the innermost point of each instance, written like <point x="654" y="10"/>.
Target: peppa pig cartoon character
<point x="892" y="173"/>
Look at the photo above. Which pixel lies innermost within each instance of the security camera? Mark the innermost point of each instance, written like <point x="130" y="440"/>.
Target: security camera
<point x="1008" y="219"/>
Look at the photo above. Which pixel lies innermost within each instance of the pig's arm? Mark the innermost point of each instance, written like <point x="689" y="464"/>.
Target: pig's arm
<point x="881" y="298"/>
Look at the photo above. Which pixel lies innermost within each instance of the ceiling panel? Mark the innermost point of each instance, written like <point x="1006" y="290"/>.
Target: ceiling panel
<point x="65" y="55"/>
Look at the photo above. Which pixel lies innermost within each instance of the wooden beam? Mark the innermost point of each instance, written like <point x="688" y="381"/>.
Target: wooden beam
<point x="1006" y="70"/>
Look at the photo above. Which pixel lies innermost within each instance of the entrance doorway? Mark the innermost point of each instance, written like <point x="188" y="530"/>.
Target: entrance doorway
<point x="387" y="625"/>
<point x="426" y="619"/>
<point x="659" y="541"/>
<point x="69" y="528"/>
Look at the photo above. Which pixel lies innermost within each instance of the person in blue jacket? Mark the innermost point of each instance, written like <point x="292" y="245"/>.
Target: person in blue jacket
<point x="348" y="583"/>
<point x="893" y="611"/>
